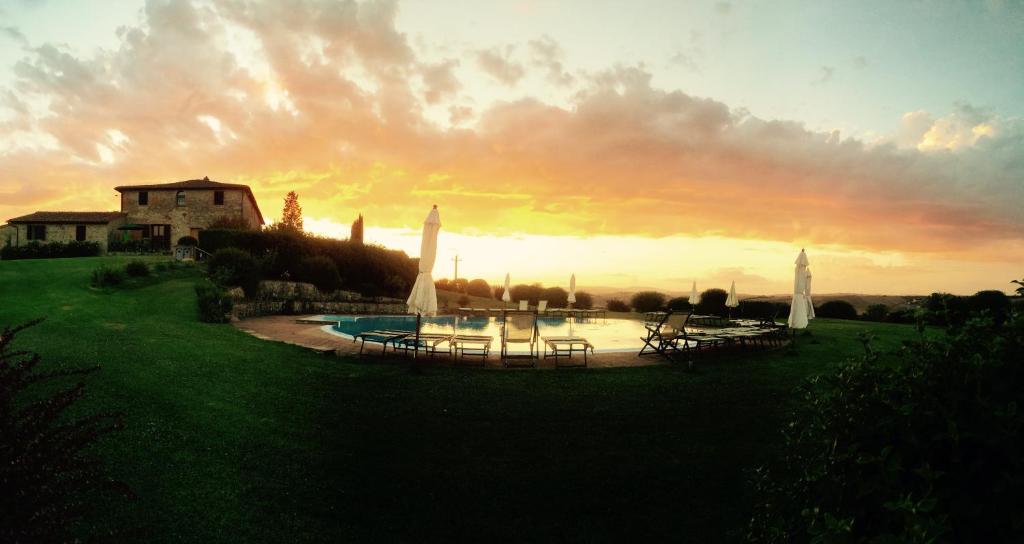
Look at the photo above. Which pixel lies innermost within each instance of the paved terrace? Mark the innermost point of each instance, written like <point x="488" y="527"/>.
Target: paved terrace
<point x="306" y="332"/>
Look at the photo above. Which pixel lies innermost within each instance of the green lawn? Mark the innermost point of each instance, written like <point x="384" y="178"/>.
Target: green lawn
<point x="230" y="438"/>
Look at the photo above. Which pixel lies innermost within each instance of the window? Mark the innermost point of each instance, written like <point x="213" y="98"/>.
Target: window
<point x="37" y="232"/>
<point x="80" y="233"/>
<point x="143" y="198"/>
<point x="180" y="198"/>
<point x="158" y="231"/>
<point x="218" y="198"/>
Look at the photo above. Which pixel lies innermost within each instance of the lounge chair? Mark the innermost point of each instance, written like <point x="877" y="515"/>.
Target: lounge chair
<point x="565" y="346"/>
<point x="669" y="337"/>
<point x="518" y="327"/>
<point x="468" y="345"/>
<point x="383" y="337"/>
<point x="542" y="306"/>
<point x="425" y="342"/>
<point x="524" y="305"/>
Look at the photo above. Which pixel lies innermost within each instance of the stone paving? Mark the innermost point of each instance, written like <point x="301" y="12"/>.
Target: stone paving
<point x="306" y="333"/>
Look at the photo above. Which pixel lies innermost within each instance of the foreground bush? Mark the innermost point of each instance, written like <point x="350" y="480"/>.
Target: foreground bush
<point x="106" y="277"/>
<point x="712" y="302"/>
<point x="136" y="268"/>
<point x="647" y="301"/>
<point x="47" y="482"/>
<point x="233" y="267"/>
<point x="51" y="250"/>
<point x="214" y="303"/>
<point x="321" y="272"/>
<point x="927" y="448"/>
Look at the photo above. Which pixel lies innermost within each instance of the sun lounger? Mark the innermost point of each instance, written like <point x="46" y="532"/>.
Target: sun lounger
<point x="542" y="306"/>
<point x="669" y="337"/>
<point x="383" y="337"/>
<point x="524" y="305"/>
<point x="465" y="345"/>
<point x="565" y="346"/>
<point x="426" y="342"/>
<point x="518" y="327"/>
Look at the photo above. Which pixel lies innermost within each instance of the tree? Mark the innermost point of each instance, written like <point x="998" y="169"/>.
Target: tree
<point x="291" y="215"/>
<point x="1020" y="290"/>
<point x="679" y="304"/>
<point x="584" y="300"/>
<point x="478" y="288"/>
<point x="648" y="301"/>
<point x="357" y="231"/>
<point x="996" y="303"/>
<point x="616" y="305"/>
<point x="876" y="312"/>
<point x="712" y="302"/>
<point x="836" y="309"/>
<point x="556" y="297"/>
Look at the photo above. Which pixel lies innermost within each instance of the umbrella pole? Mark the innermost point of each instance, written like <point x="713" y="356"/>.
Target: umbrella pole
<point x="416" y="344"/>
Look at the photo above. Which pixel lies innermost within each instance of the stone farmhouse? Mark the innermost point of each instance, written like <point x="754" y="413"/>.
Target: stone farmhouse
<point x="161" y="214"/>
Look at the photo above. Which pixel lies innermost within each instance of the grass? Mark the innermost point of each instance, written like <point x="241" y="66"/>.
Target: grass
<point x="231" y="438"/>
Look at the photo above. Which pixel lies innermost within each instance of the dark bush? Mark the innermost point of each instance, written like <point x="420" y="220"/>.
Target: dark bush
<point x="107" y="277"/>
<point x="463" y="301"/>
<point x="372" y="270"/>
<point x="712" y="302"/>
<point x="902" y="315"/>
<point x="136" y="268"/>
<point x="923" y="448"/>
<point x="996" y="303"/>
<point x="763" y="309"/>
<point x="679" y="304"/>
<point x="945" y="310"/>
<point x="647" y="301"/>
<point x="51" y="250"/>
<point x="321" y="272"/>
<point x="145" y="245"/>
<point x="616" y="305"/>
<point x="876" y="312"/>
<point x="584" y="300"/>
<point x="213" y="302"/>
<point x="556" y="297"/>
<point x="50" y="482"/>
<point x="836" y="309"/>
<point x="232" y="267"/>
<point x="187" y="241"/>
<point x="478" y="288"/>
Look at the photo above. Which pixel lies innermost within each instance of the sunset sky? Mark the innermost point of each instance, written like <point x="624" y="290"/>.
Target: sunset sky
<point x="633" y="143"/>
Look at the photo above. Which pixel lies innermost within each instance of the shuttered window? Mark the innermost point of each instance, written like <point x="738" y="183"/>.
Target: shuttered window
<point x="80" y="233"/>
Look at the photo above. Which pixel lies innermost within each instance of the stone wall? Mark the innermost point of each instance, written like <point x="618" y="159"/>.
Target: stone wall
<point x="294" y="298"/>
<point x="199" y="211"/>
<point x="61" y="232"/>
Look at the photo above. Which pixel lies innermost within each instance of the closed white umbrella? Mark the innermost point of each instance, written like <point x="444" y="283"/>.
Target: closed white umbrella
<point x="694" y="297"/>
<point x="572" y="289"/>
<point x="506" y="297"/>
<point x="800" y="309"/>
<point x="423" y="299"/>
<point x="732" y="301"/>
<point x="810" y="303"/>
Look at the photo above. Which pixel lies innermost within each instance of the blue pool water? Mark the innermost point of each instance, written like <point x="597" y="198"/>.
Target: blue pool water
<point x="606" y="335"/>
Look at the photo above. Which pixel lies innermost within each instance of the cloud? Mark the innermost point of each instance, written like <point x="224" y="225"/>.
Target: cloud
<point x="859" y="62"/>
<point x="826" y="73"/>
<point x="497" y="63"/>
<point x="548" y="55"/>
<point x="723" y="8"/>
<point x="329" y="98"/>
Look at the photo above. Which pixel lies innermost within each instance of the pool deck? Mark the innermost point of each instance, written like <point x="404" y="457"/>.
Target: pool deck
<point x="306" y="332"/>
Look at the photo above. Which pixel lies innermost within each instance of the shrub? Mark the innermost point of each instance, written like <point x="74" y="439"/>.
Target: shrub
<point x="463" y="301"/>
<point x="233" y="267"/>
<point x="531" y="293"/>
<point x="902" y="315"/>
<point x="763" y="309"/>
<point x="51" y="250"/>
<point x="836" y="309"/>
<point x="478" y="288"/>
<point x="584" y="300"/>
<point x="996" y="303"/>
<point x="876" y="312"/>
<point x="679" y="304"/>
<point x="187" y="241"/>
<point x="712" y="302"/>
<point x="214" y="303"/>
<point x="556" y="297"/>
<point x="321" y="272"/>
<point x="945" y="310"/>
<point x="49" y="482"/>
<point x="106" y="277"/>
<point x="136" y="268"/>
<point x="647" y="301"/>
<point x="616" y="305"/>
<point x="923" y="449"/>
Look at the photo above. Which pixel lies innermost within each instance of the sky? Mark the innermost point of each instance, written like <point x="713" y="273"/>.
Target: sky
<point x="631" y="143"/>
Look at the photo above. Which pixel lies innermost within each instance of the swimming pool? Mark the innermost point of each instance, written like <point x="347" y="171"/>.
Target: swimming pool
<point x="607" y="335"/>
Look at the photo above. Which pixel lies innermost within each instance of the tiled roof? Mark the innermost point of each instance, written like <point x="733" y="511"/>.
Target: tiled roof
<point x="204" y="183"/>
<point x="68" y="217"/>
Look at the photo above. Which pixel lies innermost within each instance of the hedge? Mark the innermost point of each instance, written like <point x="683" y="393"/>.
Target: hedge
<point x="51" y="250"/>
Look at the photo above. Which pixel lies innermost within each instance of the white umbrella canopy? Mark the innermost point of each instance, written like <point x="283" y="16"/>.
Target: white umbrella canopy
<point x="732" y="301"/>
<point x="423" y="298"/>
<point x="810" y="303"/>
<point x="572" y="289"/>
<point x="506" y="297"/>
<point x="800" y="310"/>
<point x="694" y="296"/>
